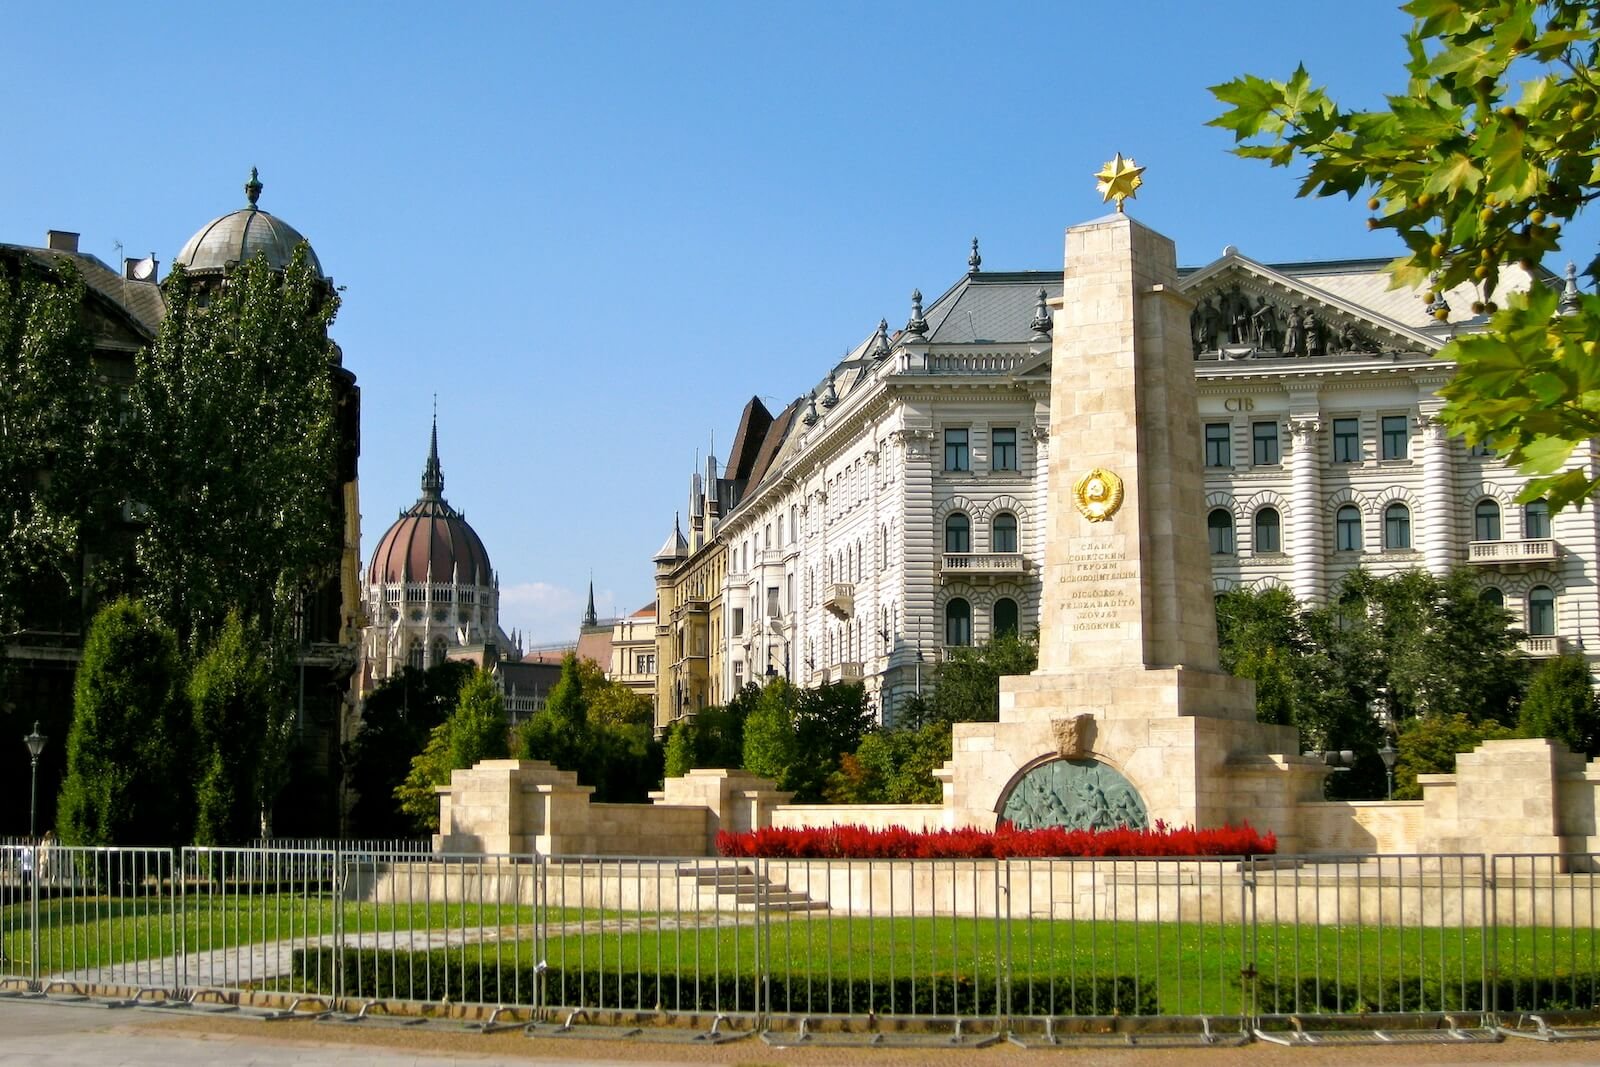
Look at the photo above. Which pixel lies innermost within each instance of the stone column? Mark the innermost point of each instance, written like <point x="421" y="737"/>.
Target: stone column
<point x="1437" y="530"/>
<point x="1306" y="538"/>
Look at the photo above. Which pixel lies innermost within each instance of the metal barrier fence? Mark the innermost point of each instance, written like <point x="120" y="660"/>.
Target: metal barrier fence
<point x="1019" y="945"/>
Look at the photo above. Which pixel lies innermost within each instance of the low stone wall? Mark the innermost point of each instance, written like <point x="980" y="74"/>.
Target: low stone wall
<point x="1413" y="893"/>
<point x="916" y="817"/>
<point x="1359" y="827"/>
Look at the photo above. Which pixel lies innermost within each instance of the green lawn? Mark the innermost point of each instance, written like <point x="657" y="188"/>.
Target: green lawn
<point x="825" y="963"/>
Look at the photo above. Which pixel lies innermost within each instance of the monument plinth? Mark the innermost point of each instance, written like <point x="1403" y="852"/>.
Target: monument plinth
<point x="1128" y="717"/>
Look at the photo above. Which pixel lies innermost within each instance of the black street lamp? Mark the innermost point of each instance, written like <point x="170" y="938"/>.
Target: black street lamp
<point x="35" y="742"/>
<point x="1388" y="755"/>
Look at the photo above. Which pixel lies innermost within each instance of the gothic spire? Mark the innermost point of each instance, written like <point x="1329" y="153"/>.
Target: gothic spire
<point x="589" y="617"/>
<point x="432" y="475"/>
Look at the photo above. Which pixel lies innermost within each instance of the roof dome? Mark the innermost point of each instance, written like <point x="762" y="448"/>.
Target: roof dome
<point x="430" y="541"/>
<point x="239" y="235"/>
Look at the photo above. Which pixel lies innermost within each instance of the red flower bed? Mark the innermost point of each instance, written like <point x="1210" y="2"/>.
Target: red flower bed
<point x="859" y="842"/>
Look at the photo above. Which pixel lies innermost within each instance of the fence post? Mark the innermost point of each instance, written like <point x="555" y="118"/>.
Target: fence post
<point x="762" y="988"/>
<point x="1250" y="950"/>
<point x="175" y="900"/>
<point x="1002" y="944"/>
<point x="338" y="924"/>
<point x="33" y="911"/>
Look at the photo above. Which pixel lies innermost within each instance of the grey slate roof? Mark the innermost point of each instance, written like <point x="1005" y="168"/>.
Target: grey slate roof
<point x="991" y="306"/>
<point x="141" y="301"/>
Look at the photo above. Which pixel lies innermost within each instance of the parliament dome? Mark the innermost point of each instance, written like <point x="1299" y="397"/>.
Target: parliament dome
<point x="430" y="541"/>
<point x="240" y="235"/>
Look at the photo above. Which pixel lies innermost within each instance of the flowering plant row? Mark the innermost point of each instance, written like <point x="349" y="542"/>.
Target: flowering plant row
<point x="859" y="842"/>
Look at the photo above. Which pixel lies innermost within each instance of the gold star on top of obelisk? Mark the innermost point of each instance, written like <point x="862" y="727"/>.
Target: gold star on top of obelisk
<point x="1118" y="179"/>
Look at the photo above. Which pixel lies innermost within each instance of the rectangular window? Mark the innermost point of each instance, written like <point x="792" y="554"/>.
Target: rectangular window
<point x="738" y="676"/>
<point x="1219" y="444"/>
<point x="1003" y="449"/>
<point x="772" y="602"/>
<point x="955" y="451"/>
<point x="738" y="622"/>
<point x="1264" y="436"/>
<point x="1396" y="437"/>
<point x="1347" y="440"/>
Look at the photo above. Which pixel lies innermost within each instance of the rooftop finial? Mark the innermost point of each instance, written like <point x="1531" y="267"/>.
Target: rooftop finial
<point x="810" y="417"/>
<point x="916" y="325"/>
<point x="880" y="340"/>
<point x="974" y="261"/>
<point x="1569" y="292"/>
<point x="1041" y="318"/>
<point x="432" y="475"/>
<point x="252" y="188"/>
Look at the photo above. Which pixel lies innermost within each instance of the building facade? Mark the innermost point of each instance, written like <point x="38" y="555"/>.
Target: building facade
<point x="902" y="511"/>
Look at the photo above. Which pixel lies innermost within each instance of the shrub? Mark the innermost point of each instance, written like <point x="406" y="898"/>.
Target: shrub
<point x="859" y="842"/>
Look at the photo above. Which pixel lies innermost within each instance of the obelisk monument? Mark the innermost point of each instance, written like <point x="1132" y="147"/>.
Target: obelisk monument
<point x="1128" y="689"/>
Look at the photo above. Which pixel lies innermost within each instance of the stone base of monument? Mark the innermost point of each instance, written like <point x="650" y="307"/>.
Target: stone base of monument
<point x="1128" y="746"/>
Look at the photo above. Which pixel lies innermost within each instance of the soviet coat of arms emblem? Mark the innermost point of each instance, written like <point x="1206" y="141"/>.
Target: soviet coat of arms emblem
<point x="1098" y="494"/>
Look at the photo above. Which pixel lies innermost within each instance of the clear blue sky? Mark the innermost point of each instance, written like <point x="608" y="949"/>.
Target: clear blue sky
<point x="595" y="230"/>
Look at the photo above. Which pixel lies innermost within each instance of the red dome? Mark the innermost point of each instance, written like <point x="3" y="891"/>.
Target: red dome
<point x="431" y="541"/>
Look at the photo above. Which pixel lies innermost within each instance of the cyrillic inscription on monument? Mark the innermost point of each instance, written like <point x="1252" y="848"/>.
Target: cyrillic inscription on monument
<point x="1098" y="595"/>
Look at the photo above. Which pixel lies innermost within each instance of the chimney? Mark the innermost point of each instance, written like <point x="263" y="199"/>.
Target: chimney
<point x="140" y="270"/>
<point x="61" y="241"/>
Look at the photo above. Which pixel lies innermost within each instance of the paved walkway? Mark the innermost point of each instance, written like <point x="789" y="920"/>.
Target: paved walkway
<point x="38" y="1034"/>
<point x="261" y="963"/>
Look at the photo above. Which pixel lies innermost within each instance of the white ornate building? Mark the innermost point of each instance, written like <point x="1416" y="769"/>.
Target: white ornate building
<point x="901" y="512"/>
<point x="429" y="590"/>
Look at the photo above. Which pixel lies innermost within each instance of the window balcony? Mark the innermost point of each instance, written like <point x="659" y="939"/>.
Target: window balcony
<point x="978" y="563"/>
<point x="850" y="672"/>
<point x="840" y="599"/>
<point x="1543" y="647"/>
<point x="1500" y="553"/>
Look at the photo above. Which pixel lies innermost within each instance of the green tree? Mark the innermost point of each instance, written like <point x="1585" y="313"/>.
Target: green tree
<point x="769" y="738"/>
<point x="1429" y="744"/>
<point x="893" y="767"/>
<point x="396" y="721"/>
<point x="559" y="731"/>
<point x="1260" y="636"/>
<point x="1491" y="148"/>
<point x="680" y="750"/>
<point x="127" y="758"/>
<point x="968" y="683"/>
<point x="232" y="694"/>
<point x="57" y="444"/>
<point x="829" y="722"/>
<point x="234" y="447"/>
<point x="1561" y="705"/>
<point x="475" y="731"/>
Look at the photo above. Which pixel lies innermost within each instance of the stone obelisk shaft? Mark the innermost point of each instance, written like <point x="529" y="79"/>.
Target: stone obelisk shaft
<point x="1131" y="590"/>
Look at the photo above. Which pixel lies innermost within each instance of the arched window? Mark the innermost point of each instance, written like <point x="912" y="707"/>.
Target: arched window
<point x="1005" y="616"/>
<point x="1486" y="521"/>
<point x="1490" y="595"/>
<point x="1536" y="520"/>
<point x="1347" y="529"/>
<point x="1003" y="534"/>
<point x="1396" y="526"/>
<point x="1219" y="529"/>
<point x="438" y="652"/>
<point x="1541" y="611"/>
<point x="1269" y="531"/>
<point x="414" y="655"/>
<point x="957" y="533"/>
<point x="958" y="622"/>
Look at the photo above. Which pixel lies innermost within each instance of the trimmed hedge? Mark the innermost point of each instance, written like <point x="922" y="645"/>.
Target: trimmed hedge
<point x="1006" y="841"/>
<point x="457" y="975"/>
<point x="1506" y="993"/>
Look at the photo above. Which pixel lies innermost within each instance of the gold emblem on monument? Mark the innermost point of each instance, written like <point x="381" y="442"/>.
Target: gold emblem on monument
<point x="1118" y="180"/>
<point x="1098" y="494"/>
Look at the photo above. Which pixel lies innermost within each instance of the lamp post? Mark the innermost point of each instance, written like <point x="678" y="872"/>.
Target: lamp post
<point x="1388" y="755"/>
<point x="35" y="742"/>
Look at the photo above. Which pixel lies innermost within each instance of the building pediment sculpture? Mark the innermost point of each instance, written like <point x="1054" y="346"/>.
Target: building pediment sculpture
<point x="1230" y="320"/>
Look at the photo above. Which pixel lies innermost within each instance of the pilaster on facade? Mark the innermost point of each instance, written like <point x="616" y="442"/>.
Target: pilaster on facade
<point x="1440" y="549"/>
